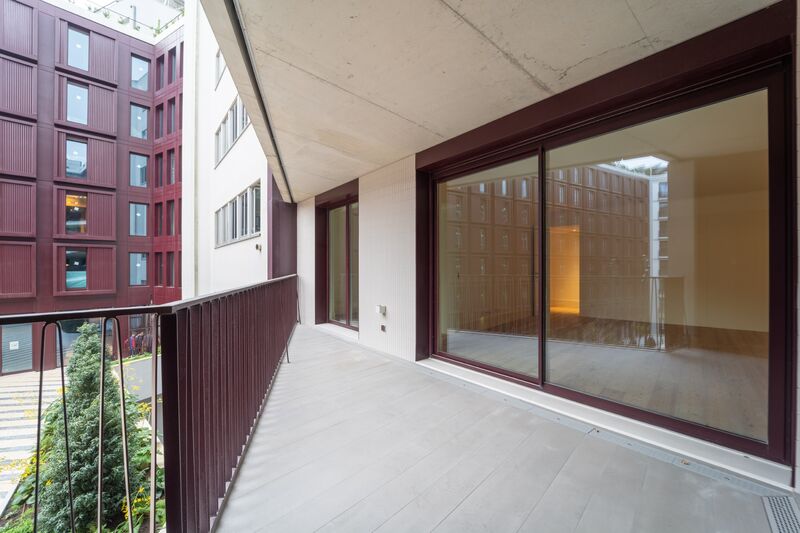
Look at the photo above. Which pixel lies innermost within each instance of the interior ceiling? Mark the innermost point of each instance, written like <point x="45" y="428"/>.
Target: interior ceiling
<point x="352" y="86"/>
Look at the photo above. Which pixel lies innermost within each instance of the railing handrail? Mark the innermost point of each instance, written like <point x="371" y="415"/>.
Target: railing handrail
<point x="110" y="312"/>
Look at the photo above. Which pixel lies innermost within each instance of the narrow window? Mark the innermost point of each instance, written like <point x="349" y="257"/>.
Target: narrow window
<point x="77" y="103"/>
<point x="159" y="170"/>
<point x="77" y="48"/>
<point x="171" y="116"/>
<point x="160" y="73"/>
<point x="159" y="269"/>
<point x="172" y="65"/>
<point x="138" y="269"/>
<point x="170" y="269"/>
<point x="75" y="271"/>
<point x="170" y="166"/>
<point x="140" y="73"/>
<point x="139" y="121"/>
<point x="138" y="170"/>
<point x="171" y="217"/>
<point x="138" y="220"/>
<point x="75" y="219"/>
<point x="256" y="209"/>
<point x="159" y="219"/>
<point x="220" y="65"/>
<point x="76" y="158"/>
<point x="159" y="121"/>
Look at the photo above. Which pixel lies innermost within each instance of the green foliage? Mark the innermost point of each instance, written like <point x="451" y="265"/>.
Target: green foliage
<point x="83" y="408"/>
<point x="23" y="524"/>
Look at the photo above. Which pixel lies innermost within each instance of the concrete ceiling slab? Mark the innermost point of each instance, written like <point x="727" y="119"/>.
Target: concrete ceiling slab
<point x="352" y="86"/>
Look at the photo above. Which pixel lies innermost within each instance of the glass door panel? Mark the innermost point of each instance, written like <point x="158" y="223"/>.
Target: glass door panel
<point x="337" y="265"/>
<point x="658" y="267"/>
<point x="487" y="268"/>
<point x="353" y="262"/>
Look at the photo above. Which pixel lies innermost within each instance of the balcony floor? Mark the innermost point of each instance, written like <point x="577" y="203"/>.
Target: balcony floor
<point x="355" y="441"/>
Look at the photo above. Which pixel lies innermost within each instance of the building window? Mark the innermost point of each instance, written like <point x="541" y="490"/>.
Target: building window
<point x="220" y="65"/>
<point x="138" y="269"/>
<point x="171" y="115"/>
<point x="77" y="103"/>
<point x="77" y="48"/>
<point x="159" y="170"/>
<point x="159" y="219"/>
<point x="139" y="121"/>
<point x="159" y="269"/>
<point x="76" y="158"/>
<point x="172" y="65"/>
<point x="170" y="167"/>
<point x="230" y="129"/>
<point x="159" y="121"/>
<point x="170" y="217"/>
<point x="170" y="269"/>
<point x="75" y="271"/>
<point x="160" y="73"/>
<point x="138" y="220"/>
<point x="138" y="170"/>
<point x="342" y="245"/>
<point x="140" y="73"/>
<point x="75" y="210"/>
<point x="240" y="218"/>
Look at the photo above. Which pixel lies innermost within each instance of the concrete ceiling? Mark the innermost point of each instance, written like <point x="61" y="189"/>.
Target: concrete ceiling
<point x="351" y="86"/>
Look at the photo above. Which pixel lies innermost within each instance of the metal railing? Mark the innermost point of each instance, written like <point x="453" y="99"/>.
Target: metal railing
<point x="219" y="356"/>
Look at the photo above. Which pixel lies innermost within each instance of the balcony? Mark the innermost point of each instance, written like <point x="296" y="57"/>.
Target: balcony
<point x="332" y="436"/>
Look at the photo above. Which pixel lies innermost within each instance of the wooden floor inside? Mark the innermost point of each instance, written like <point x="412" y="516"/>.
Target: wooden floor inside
<point x="352" y="440"/>
<point x="723" y="390"/>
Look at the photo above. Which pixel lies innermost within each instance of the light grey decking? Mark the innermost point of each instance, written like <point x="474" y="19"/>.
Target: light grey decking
<point x="355" y="441"/>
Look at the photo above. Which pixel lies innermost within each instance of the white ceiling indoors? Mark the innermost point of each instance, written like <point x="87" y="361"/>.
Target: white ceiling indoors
<point x="351" y="86"/>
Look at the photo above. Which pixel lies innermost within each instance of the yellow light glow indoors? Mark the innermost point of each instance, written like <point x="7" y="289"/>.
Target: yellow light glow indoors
<point x="565" y="269"/>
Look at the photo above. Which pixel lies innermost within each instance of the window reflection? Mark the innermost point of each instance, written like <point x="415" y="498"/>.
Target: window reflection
<point x="487" y="267"/>
<point x="664" y="305"/>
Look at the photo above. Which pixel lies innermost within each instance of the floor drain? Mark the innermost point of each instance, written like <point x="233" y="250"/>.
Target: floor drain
<point x="783" y="514"/>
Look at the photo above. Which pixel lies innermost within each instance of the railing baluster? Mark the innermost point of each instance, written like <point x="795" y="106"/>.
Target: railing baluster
<point x="100" y="447"/>
<point x="66" y="426"/>
<point x="153" y="321"/>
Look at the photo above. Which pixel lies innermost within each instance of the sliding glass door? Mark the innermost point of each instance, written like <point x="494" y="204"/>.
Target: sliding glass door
<point x="661" y="280"/>
<point x="343" y="265"/>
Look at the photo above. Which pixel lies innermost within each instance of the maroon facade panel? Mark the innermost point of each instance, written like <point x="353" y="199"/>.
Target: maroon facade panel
<point x="17" y="208"/>
<point x="100" y="214"/>
<point x="19" y="269"/>
<point x="17" y="87"/>
<point x="17" y="147"/>
<point x="102" y="106"/>
<point x="282" y="228"/>
<point x="100" y="273"/>
<point x="18" y="22"/>
<point x="101" y="159"/>
<point x="102" y="52"/>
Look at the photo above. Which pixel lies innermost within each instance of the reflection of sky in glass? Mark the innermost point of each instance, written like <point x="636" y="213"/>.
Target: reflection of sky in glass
<point x="77" y="103"/>
<point x="138" y="121"/>
<point x="140" y="70"/>
<point x="78" y="49"/>
<point x="644" y="165"/>
<point x="76" y="159"/>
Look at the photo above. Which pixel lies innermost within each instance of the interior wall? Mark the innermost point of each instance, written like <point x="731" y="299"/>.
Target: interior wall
<point x="305" y="259"/>
<point x="387" y="259"/>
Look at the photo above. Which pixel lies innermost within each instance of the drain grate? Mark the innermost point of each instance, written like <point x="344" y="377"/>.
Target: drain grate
<point x="783" y="514"/>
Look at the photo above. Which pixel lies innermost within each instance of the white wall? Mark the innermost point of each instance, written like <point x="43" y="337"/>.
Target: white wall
<point x="206" y="188"/>
<point x="305" y="259"/>
<point x="387" y="258"/>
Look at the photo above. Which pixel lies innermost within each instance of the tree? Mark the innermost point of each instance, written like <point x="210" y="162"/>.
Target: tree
<point x="83" y="408"/>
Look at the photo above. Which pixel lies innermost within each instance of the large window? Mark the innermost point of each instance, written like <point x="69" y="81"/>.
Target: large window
<point x="138" y="170"/>
<point x="75" y="213"/>
<point x="138" y="269"/>
<point x="343" y="265"/>
<point x="75" y="158"/>
<point x="139" y="121"/>
<point x="656" y="260"/>
<point x="140" y="73"/>
<point x="75" y="268"/>
<point x="240" y="218"/>
<point x="487" y="267"/>
<point x="77" y="103"/>
<point x="138" y="220"/>
<point x="232" y="126"/>
<point x="77" y="48"/>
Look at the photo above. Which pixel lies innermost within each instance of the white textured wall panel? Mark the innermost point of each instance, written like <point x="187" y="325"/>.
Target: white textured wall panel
<point x="305" y="259"/>
<point x="387" y="259"/>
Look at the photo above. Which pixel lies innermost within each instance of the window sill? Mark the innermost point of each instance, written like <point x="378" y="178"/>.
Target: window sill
<point x="235" y="241"/>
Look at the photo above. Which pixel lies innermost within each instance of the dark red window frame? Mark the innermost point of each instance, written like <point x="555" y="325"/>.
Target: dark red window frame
<point x="759" y="59"/>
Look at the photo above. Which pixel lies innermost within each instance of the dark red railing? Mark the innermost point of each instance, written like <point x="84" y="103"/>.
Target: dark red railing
<point x="227" y="351"/>
<point x="219" y="356"/>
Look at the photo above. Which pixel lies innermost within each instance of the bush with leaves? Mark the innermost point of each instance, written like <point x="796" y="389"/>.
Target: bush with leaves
<point x="83" y="408"/>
